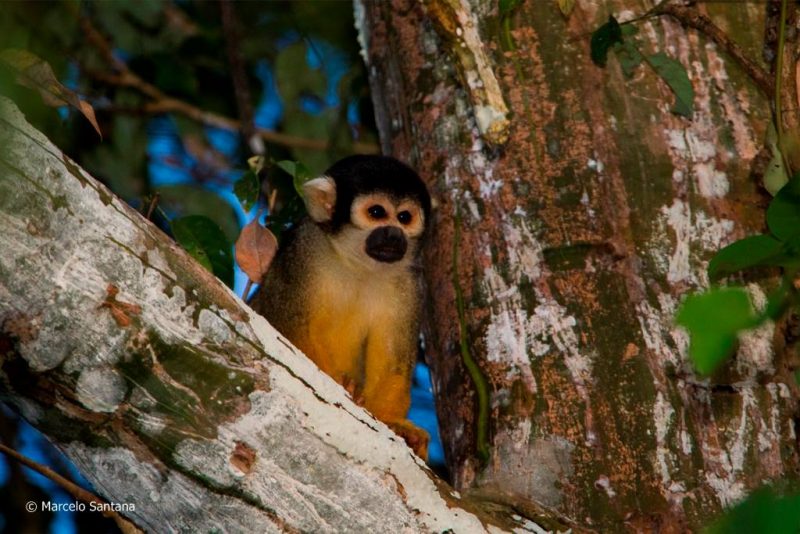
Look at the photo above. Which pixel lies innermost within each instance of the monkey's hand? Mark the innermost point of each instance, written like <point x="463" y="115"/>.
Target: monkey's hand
<point x="415" y="437"/>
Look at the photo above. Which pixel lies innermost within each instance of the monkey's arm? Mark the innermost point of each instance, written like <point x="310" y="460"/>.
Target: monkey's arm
<point x="391" y="353"/>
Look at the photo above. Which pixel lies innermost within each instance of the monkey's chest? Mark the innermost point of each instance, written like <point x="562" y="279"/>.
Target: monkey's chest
<point x="344" y="319"/>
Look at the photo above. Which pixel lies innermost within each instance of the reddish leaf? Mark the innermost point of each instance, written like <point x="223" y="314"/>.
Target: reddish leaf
<point x="255" y="249"/>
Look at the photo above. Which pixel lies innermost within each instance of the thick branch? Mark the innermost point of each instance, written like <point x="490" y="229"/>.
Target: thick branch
<point x="168" y="392"/>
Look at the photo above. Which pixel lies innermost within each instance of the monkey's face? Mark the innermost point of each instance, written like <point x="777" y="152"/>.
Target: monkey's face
<point x="391" y="227"/>
<point x="372" y="210"/>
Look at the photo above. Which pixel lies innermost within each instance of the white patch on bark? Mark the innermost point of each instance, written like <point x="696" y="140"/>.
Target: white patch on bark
<point x="362" y="32"/>
<point x="740" y="444"/>
<point x="734" y="104"/>
<point x="686" y="442"/>
<point x="728" y="491"/>
<point x="658" y="327"/>
<point x="605" y="484"/>
<point x="694" y="234"/>
<point x="663" y="414"/>
<point x="755" y="354"/>
<point x="512" y="335"/>
<point x="215" y="327"/>
<point x="100" y="389"/>
<point x="769" y="436"/>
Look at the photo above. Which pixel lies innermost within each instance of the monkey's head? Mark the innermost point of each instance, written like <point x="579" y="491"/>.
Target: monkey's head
<point x="374" y="209"/>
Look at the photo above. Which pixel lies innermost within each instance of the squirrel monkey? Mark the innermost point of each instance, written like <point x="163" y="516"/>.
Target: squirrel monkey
<point x="345" y="287"/>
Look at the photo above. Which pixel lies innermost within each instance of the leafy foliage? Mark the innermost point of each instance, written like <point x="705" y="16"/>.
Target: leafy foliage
<point x="34" y="73"/>
<point x="765" y="510"/>
<point x="206" y="243"/>
<point x="299" y="173"/>
<point x="247" y="189"/>
<point x="783" y="214"/>
<point x="672" y="72"/>
<point x="194" y="200"/>
<point x="603" y="38"/>
<point x="713" y="320"/>
<point x="612" y="36"/>
<point x="751" y="251"/>
<point x="715" y="317"/>
<point x="775" y="175"/>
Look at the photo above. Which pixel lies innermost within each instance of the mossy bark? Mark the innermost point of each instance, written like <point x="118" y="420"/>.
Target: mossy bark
<point x="579" y="237"/>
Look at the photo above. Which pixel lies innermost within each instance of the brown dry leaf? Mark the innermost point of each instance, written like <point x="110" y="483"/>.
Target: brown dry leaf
<point x="255" y="249"/>
<point x="35" y="73"/>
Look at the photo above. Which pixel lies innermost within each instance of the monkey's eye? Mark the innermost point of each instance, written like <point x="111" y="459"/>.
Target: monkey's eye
<point x="404" y="217"/>
<point x="376" y="212"/>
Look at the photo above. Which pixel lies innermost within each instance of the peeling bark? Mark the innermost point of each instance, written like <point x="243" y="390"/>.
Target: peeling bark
<point x="169" y="393"/>
<point x="578" y="240"/>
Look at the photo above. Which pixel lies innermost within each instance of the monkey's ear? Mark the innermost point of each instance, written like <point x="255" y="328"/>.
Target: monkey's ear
<point x="320" y="198"/>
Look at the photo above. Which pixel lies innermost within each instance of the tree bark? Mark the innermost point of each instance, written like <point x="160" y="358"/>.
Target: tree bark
<point x="573" y="243"/>
<point x="168" y="393"/>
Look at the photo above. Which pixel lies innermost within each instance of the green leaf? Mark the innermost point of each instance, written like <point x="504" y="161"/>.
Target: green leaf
<point x="505" y="7"/>
<point x="603" y="39"/>
<point x="247" y="189"/>
<point x="302" y="124"/>
<point x="775" y="175"/>
<point x="672" y="72"/>
<point x="295" y="78"/>
<point x="628" y="29"/>
<point x="764" y="510"/>
<point x="783" y="213"/>
<point x="713" y="320"/>
<point x="206" y="243"/>
<point x="628" y="56"/>
<point x="183" y="200"/>
<point x="299" y="173"/>
<point x="748" y="252"/>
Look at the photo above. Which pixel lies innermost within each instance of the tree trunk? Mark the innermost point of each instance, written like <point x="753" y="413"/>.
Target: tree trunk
<point x="171" y="396"/>
<point x="572" y="244"/>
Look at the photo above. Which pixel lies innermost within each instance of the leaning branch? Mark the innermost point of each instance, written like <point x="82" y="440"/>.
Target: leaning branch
<point x="73" y="489"/>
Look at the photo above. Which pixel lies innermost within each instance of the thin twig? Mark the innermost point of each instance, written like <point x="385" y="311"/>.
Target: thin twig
<point x="779" y="72"/>
<point x="241" y="87"/>
<point x="163" y="103"/>
<point x="73" y="489"/>
<point x="691" y="17"/>
<point x="247" y="288"/>
<point x="273" y="196"/>
<point x="152" y="206"/>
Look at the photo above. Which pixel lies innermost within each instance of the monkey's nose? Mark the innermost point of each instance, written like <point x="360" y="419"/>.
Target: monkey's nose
<point x="387" y="244"/>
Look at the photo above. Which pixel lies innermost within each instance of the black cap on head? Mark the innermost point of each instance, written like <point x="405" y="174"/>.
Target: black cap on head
<point x="357" y="175"/>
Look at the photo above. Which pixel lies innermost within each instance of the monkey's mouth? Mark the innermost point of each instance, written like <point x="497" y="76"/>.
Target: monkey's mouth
<point x="386" y="254"/>
<point x="386" y="244"/>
